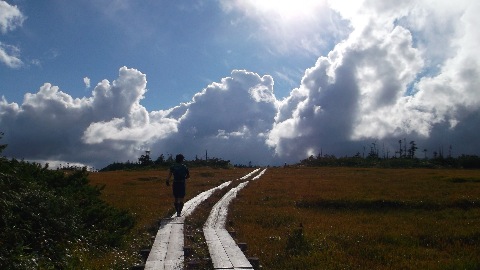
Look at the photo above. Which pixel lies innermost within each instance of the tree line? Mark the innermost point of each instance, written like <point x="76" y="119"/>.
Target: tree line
<point x="146" y="162"/>
<point x="404" y="157"/>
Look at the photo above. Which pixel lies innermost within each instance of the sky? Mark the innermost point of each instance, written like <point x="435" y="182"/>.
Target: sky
<point x="261" y="81"/>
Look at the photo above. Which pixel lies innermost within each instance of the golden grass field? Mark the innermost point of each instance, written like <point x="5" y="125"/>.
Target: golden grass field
<point x="324" y="218"/>
<point x="145" y="194"/>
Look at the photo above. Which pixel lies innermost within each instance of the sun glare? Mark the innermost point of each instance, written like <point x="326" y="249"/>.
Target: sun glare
<point x="287" y="9"/>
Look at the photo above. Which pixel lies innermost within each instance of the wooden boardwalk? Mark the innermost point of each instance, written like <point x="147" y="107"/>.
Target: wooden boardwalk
<point x="224" y="252"/>
<point x="167" y="249"/>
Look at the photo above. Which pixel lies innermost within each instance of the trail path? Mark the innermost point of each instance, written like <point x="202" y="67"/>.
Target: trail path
<point x="167" y="249"/>
<point x="225" y="253"/>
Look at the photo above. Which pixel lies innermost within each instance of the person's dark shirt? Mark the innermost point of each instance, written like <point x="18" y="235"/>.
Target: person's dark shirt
<point x="180" y="172"/>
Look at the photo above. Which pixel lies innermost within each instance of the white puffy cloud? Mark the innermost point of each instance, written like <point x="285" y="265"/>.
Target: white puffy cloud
<point x="9" y="55"/>
<point x="10" y="18"/>
<point x="387" y="81"/>
<point x="96" y="130"/>
<point x="229" y="119"/>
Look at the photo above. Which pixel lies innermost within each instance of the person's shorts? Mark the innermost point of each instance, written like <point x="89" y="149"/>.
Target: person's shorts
<point x="178" y="189"/>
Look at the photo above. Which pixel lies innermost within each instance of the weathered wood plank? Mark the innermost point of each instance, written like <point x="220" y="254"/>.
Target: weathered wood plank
<point x="175" y="243"/>
<point x="217" y="252"/>
<point x="224" y="252"/>
<point x="190" y="206"/>
<point x="167" y="249"/>
<point x="158" y="252"/>
<point x="235" y="254"/>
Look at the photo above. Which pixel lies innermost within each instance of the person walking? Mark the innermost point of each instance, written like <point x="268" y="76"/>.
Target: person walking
<point x="180" y="174"/>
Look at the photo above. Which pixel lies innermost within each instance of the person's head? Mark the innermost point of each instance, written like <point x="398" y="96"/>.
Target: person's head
<point x="179" y="158"/>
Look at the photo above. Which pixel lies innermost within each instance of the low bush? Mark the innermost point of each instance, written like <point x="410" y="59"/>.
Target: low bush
<point x="47" y="215"/>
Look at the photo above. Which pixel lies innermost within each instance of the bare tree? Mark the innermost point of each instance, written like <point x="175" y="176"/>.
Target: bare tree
<point x="401" y="149"/>
<point x="413" y="148"/>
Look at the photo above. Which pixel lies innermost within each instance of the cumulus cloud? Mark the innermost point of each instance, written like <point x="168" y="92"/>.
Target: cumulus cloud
<point x="10" y="18"/>
<point x="383" y="82"/>
<point x="229" y="119"/>
<point x="51" y="125"/>
<point x="9" y="55"/>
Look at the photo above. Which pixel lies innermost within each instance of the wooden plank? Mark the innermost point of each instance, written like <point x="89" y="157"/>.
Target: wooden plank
<point x="158" y="252"/>
<point x="259" y="175"/>
<point x="250" y="174"/>
<point x="218" y="255"/>
<point x="219" y="212"/>
<point x="190" y="206"/>
<point x="172" y="265"/>
<point x="235" y="254"/>
<point x="167" y="249"/>
<point x="224" y="252"/>
<point x="175" y="243"/>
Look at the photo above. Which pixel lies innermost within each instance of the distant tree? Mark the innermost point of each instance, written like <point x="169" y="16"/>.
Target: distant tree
<point x="145" y="160"/>
<point x="160" y="160"/>
<point x="401" y="149"/>
<point x="413" y="148"/>
<point x="170" y="158"/>
<point x="373" y="151"/>
<point x="440" y="153"/>
<point x="2" y="146"/>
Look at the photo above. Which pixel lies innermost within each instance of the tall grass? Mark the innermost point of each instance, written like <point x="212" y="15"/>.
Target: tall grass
<point x="351" y="218"/>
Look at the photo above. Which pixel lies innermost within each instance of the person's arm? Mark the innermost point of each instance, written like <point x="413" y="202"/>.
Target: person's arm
<point x="168" y="178"/>
<point x="188" y="174"/>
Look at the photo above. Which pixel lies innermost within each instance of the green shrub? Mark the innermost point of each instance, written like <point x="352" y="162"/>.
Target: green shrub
<point x="47" y="214"/>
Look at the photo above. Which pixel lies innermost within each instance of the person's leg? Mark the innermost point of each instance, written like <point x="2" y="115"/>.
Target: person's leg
<point x="176" y="194"/>
<point x="179" y="193"/>
<point x="178" y="205"/>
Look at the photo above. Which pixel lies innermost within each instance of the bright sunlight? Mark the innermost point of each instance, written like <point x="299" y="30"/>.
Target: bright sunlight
<point x="287" y="9"/>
